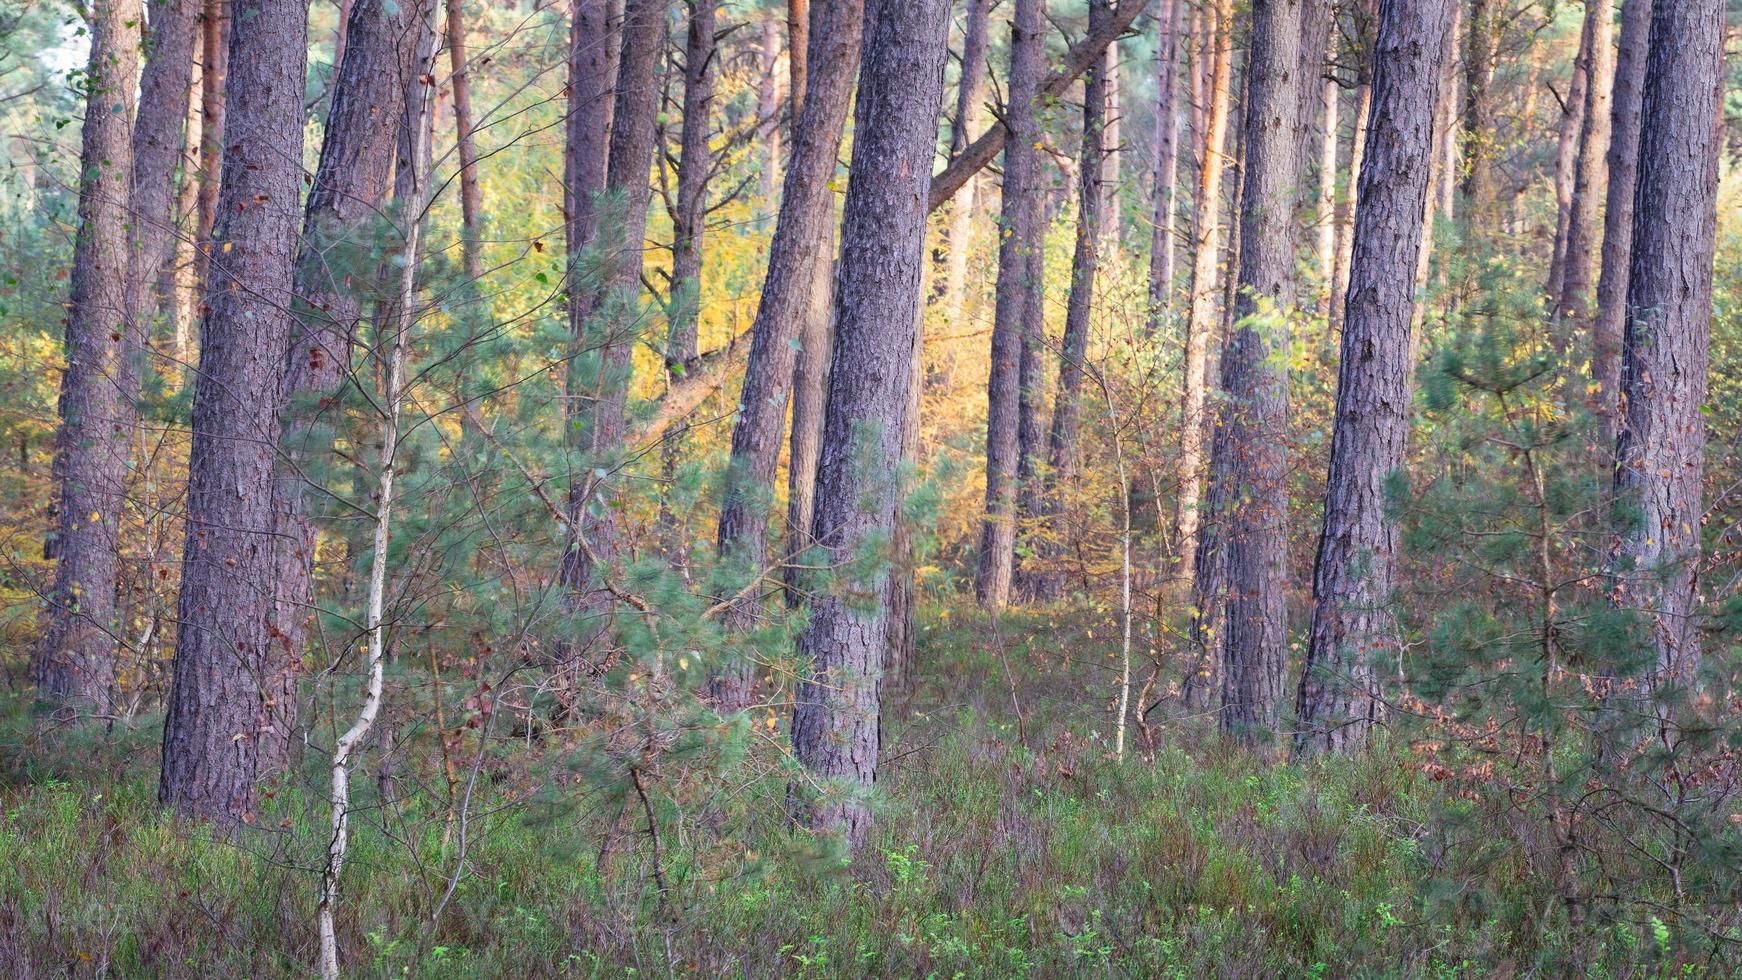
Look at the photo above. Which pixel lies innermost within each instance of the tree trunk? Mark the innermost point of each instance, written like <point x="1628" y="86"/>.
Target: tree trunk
<point x="1610" y="320"/>
<point x="835" y="726"/>
<point x="767" y="107"/>
<point x="1112" y="140"/>
<point x="600" y="378"/>
<point x="1163" y="253"/>
<point x="1325" y="250"/>
<point x="1479" y="131"/>
<point x="970" y="94"/>
<point x="335" y="271"/>
<point x="165" y="89"/>
<point x="214" y="64"/>
<point x="1251" y="445"/>
<point x="1202" y="324"/>
<point x="232" y="698"/>
<point x="1017" y="293"/>
<point x="471" y="203"/>
<point x="810" y="379"/>
<point x="1565" y="170"/>
<point x="1067" y="412"/>
<point x="1352" y="576"/>
<point x="74" y="659"/>
<point x="1669" y="317"/>
<point x="1369" y="16"/>
<point x="801" y="234"/>
<point x="695" y="166"/>
<point x="1575" y="296"/>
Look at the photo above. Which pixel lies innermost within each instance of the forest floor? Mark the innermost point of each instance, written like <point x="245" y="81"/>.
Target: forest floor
<point x="1001" y="849"/>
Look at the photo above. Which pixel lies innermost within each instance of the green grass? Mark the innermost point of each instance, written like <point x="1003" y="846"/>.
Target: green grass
<point x="990" y="858"/>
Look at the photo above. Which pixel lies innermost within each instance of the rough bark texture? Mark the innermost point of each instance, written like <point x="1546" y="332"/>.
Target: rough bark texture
<point x="1250" y="452"/>
<point x="609" y="335"/>
<point x="695" y="167"/>
<point x="231" y="708"/>
<point x="471" y="201"/>
<point x="1067" y="412"/>
<point x="800" y="235"/>
<point x="1018" y="291"/>
<point x="214" y="63"/>
<point x="1573" y="302"/>
<point x="75" y="656"/>
<point x="810" y="379"/>
<point x="1368" y="11"/>
<point x="335" y="276"/>
<point x="1352" y="576"/>
<point x="1163" y="252"/>
<point x="970" y="95"/>
<point x="1610" y="319"/>
<point x="1566" y="169"/>
<point x="1661" y="449"/>
<point x="1479" y="131"/>
<point x="1076" y="61"/>
<point x="165" y="88"/>
<point x="835" y="725"/>
<point x="1201" y="327"/>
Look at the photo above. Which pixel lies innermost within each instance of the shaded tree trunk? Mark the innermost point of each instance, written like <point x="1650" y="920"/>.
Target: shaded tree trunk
<point x="835" y="730"/>
<point x="800" y="235"/>
<point x="1368" y="11"/>
<point x="695" y="167"/>
<point x="1479" y="131"/>
<point x="471" y="202"/>
<point x="74" y="659"/>
<point x="336" y="268"/>
<point x="1202" y="324"/>
<point x="1067" y="412"/>
<point x="1163" y="250"/>
<point x="1352" y="575"/>
<point x="1566" y="169"/>
<point x="970" y="94"/>
<point x="232" y="700"/>
<point x="1574" y="299"/>
<point x="1250" y="452"/>
<point x="165" y="89"/>
<point x="1661" y="449"/>
<point x="1608" y="325"/>
<point x="1018" y="292"/>
<point x="214" y="63"/>
<point x="767" y="107"/>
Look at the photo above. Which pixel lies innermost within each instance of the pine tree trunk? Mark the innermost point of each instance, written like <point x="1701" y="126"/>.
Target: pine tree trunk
<point x="1325" y="250"/>
<point x="1163" y="253"/>
<point x="788" y="293"/>
<point x="1352" y="575"/>
<point x="1669" y="319"/>
<point x="1112" y="140"/>
<point x="74" y="659"/>
<point x="1067" y="412"/>
<point x="165" y="89"/>
<point x="970" y="94"/>
<point x="1480" y="135"/>
<point x="232" y="700"/>
<point x="1610" y="320"/>
<point x="835" y="729"/>
<point x="612" y="329"/>
<point x="214" y="65"/>
<point x="1251" y="445"/>
<point x="1345" y="214"/>
<point x="1017" y="293"/>
<point x="1566" y="170"/>
<point x="1574" y="300"/>
<point x="1203" y="321"/>
<point x="695" y="166"/>
<point x="471" y="201"/>
<point x="340" y="242"/>
<point x="767" y="109"/>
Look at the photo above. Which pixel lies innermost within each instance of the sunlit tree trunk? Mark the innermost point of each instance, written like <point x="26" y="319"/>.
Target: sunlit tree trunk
<point x="1163" y="250"/>
<point x="1669" y="320"/>
<point x="214" y="62"/>
<point x="1017" y="293"/>
<point x="1608" y="325"/>
<point x="1352" y="576"/>
<point x="788" y="299"/>
<point x="1574" y="301"/>
<point x="835" y="730"/>
<point x="970" y="94"/>
<point x="74" y="659"/>
<point x="231" y="708"/>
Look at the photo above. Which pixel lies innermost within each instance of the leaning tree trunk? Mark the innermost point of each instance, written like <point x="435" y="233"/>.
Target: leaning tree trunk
<point x="1018" y="291"/>
<point x="1163" y="253"/>
<point x="75" y="657"/>
<point x="1609" y="322"/>
<point x="835" y="724"/>
<point x="800" y="236"/>
<point x="1566" y="169"/>
<point x="1352" y="576"/>
<point x="1250" y="451"/>
<point x="970" y="93"/>
<point x="1068" y="404"/>
<point x="1202" y="324"/>
<point x="1573" y="302"/>
<point x="232" y="698"/>
<point x="600" y="376"/>
<point x="341" y="239"/>
<point x="695" y="166"/>
<point x="1669" y="318"/>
